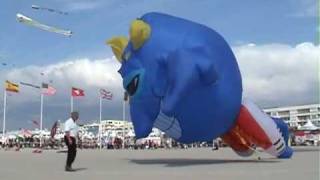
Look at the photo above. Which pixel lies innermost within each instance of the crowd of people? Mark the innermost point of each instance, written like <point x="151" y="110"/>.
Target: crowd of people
<point x="114" y="143"/>
<point x="106" y="143"/>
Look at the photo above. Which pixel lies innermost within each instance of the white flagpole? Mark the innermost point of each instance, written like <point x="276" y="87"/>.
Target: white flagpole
<point x="41" y="117"/>
<point x="4" y="114"/>
<point x="100" y="118"/>
<point x="123" y="118"/>
<point x="71" y="103"/>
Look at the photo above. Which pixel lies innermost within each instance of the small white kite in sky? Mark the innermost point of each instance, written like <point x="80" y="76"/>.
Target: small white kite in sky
<point x="28" y="21"/>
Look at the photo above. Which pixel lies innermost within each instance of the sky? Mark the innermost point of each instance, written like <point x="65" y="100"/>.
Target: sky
<point x="275" y="42"/>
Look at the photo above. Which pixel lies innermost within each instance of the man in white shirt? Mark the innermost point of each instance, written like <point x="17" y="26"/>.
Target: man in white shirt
<point x="71" y="133"/>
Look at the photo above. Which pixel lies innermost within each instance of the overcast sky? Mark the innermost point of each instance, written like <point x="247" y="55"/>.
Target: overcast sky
<point x="274" y="42"/>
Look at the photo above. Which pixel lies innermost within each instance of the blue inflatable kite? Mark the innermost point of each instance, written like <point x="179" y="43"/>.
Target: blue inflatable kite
<point x="183" y="78"/>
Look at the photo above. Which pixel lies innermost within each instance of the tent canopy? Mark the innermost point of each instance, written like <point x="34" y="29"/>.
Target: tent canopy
<point x="308" y="126"/>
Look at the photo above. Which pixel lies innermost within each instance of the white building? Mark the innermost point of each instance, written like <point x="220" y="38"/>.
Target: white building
<point x="115" y="124"/>
<point x="116" y="127"/>
<point x="296" y="116"/>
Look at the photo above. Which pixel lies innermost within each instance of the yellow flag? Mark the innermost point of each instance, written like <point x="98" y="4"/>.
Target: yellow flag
<point x="12" y="87"/>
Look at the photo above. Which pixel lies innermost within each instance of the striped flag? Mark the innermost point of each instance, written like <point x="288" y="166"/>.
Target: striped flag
<point x="48" y="90"/>
<point x="26" y="133"/>
<point x="12" y="87"/>
<point x="104" y="94"/>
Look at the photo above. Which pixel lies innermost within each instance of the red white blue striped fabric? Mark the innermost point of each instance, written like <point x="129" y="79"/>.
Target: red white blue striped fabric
<point x="104" y="94"/>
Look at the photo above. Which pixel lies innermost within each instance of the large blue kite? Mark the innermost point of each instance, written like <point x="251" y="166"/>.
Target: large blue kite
<point x="183" y="78"/>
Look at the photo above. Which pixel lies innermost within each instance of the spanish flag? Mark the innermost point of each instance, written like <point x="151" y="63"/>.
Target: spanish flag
<point x="12" y="87"/>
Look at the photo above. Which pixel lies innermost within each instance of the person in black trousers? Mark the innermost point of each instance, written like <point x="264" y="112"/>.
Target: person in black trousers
<point x="71" y="133"/>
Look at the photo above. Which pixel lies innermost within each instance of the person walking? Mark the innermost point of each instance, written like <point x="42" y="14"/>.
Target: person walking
<point x="71" y="133"/>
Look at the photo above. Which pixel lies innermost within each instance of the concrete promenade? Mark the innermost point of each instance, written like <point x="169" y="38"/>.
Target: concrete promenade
<point x="197" y="163"/>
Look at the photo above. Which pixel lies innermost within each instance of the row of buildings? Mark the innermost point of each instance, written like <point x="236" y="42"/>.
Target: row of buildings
<point x="294" y="116"/>
<point x="297" y="116"/>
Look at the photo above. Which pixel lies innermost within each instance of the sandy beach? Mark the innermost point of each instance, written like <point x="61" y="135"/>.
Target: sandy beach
<point x="196" y="163"/>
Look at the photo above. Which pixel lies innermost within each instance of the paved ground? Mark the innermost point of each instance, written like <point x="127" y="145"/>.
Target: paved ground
<point x="159" y="164"/>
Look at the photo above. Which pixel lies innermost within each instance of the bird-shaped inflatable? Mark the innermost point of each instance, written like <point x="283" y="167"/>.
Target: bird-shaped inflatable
<point x="183" y="78"/>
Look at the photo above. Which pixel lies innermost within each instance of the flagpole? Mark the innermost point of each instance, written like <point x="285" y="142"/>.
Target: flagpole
<point x="41" y="116"/>
<point x="123" y="118"/>
<point x="4" y="114"/>
<point x="100" y="118"/>
<point x="71" y="103"/>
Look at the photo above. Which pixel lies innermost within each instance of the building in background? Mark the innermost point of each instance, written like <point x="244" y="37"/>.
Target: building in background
<point x="296" y="116"/>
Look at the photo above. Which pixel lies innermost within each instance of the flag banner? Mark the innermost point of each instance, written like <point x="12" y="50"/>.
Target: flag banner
<point x="76" y="92"/>
<point x="104" y="94"/>
<point x="26" y="132"/>
<point x="48" y="90"/>
<point x="30" y="85"/>
<point x="54" y="129"/>
<point x="11" y="87"/>
<point x="126" y="96"/>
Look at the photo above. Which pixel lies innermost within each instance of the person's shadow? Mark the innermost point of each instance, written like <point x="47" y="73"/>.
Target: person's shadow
<point x="193" y="162"/>
<point x="80" y="169"/>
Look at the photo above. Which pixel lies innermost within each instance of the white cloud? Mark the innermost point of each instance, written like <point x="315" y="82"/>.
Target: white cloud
<point x="278" y="74"/>
<point x="273" y="75"/>
<point x="83" y="73"/>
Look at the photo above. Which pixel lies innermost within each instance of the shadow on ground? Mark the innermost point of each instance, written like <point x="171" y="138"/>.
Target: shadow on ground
<point x="77" y="170"/>
<point x="80" y="169"/>
<point x="62" y="151"/>
<point x="194" y="162"/>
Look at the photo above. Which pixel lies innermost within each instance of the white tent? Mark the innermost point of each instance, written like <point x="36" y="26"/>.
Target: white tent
<point x="130" y="134"/>
<point x="309" y="126"/>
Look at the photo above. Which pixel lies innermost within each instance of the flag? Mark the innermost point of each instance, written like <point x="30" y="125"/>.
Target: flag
<point x="48" y="90"/>
<point x="104" y="94"/>
<point x="31" y="85"/>
<point x="76" y="92"/>
<point x="54" y="129"/>
<point x="26" y="133"/>
<point x="126" y="96"/>
<point x="12" y="87"/>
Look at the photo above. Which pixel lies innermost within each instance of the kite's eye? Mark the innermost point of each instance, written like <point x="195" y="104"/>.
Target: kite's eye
<point x="133" y="85"/>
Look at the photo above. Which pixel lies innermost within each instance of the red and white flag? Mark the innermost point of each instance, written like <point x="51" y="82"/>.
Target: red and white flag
<point x="104" y="94"/>
<point x="48" y="90"/>
<point x="26" y="133"/>
<point x="76" y="92"/>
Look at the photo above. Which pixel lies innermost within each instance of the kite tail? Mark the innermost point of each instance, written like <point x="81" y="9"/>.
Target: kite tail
<point x="254" y="127"/>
